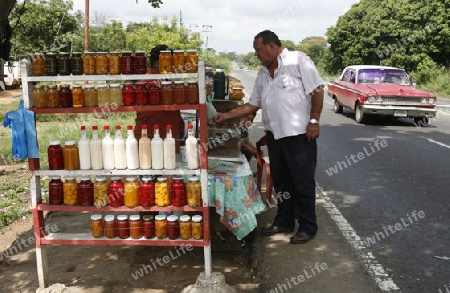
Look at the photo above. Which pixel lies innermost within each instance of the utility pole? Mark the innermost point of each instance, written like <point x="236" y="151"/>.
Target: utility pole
<point x="206" y="29"/>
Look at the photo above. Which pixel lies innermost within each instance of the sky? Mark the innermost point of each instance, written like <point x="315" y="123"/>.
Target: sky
<point x="230" y="26"/>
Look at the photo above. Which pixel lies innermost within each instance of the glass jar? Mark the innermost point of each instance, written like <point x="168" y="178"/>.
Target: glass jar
<point x="39" y="96"/>
<point x="128" y="94"/>
<point x="153" y="97"/>
<point x="85" y="191"/>
<point x="148" y="226"/>
<point x="197" y="227"/>
<point x="100" y="192"/>
<point x="38" y="65"/>
<point x="65" y="96"/>
<point x="110" y="226"/>
<point x="178" y="92"/>
<point x="56" y="190"/>
<point x="185" y="227"/>
<point x="102" y="63"/>
<point x="178" y="61"/>
<point x="135" y="227"/>
<point x="70" y="191"/>
<point x="165" y="62"/>
<point x="76" y="63"/>
<point x="141" y="93"/>
<point x="140" y="62"/>
<point x="115" y="94"/>
<point x="131" y="197"/>
<point x="89" y="63"/>
<point x="71" y="156"/>
<point x="55" y="156"/>
<point x="147" y="192"/>
<point x="51" y="65"/>
<point x="191" y="92"/>
<point x="115" y="192"/>
<point x="103" y="96"/>
<point x="191" y="61"/>
<point x="173" y="227"/>
<point x="194" y="192"/>
<point x="162" y="196"/>
<point x="178" y="192"/>
<point x="53" y="96"/>
<point x="97" y="225"/>
<point x="114" y="63"/>
<point x="63" y="63"/>
<point x="127" y="62"/>
<point x="123" y="226"/>
<point x="90" y="95"/>
<point x="78" y="96"/>
<point x="166" y="92"/>
<point x="160" y="226"/>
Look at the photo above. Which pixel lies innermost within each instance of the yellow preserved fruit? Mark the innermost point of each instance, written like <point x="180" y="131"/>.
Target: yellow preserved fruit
<point x="185" y="227"/>
<point x="70" y="191"/>
<point x="100" y="192"/>
<point x="197" y="227"/>
<point x="131" y="197"/>
<point x="194" y="192"/>
<point x="236" y="94"/>
<point x="97" y="225"/>
<point x="160" y="226"/>
<point x="162" y="197"/>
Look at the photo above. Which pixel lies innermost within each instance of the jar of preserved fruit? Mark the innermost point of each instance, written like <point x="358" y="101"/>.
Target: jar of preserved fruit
<point x="114" y="63"/>
<point x="51" y="65"/>
<point x="165" y="62"/>
<point x="140" y="62"/>
<point x="71" y="156"/>
<point x="65" y="96"/>
<point x="160" y="226"/>
<point x="173" y="227"/>
<point x="153" y="97"/>
<point x="185" y="227"/>
<point x="56" y="190"/>
<point x="52" y="96"/>
<point x="194" y="192"/>
<point x="90" y="95"/>
<point x="141" y="93"/>
<point x="178" y="61"/>
<point x="97" y="225"/>
<point x="148" y="226"/>
<point x="166" y="93"/>
<point x="197" y="227"/>
<point x="102" y="63"/>
<point x="178" y="192"/>
<point x="100" y="192"/>
<point x="110" y="226"/>
<point x="89" y="63"/>
<point x="76" y="63"/>
<point x="55" y="156"/>
<point x="123" y="226"/>
<point x="39" y="96"/>
<point x="115" y="94"/>
<point x="147" y="192"/>
<point x="191" y="92"/>
<point x="131" y="197"/>
<point x="178" y="92"/>
<point x="127" y="62"/>
<point x="162" y="196"/>
<point x="191" y="61"/>
<point x="38" y="65"/>
<point x="135" y="227"/>
<point x="103" y="95"/>
<point x="63" y="63"/>
<point x="85" y="191"/>
<point x="128" y="94"/>
<point x="78" y="95"/>
<point x="115" y="192"/>
<point x="70" y="191"/>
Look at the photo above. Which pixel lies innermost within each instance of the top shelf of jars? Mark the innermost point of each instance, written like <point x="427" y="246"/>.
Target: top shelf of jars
<point x="109" y="77"/>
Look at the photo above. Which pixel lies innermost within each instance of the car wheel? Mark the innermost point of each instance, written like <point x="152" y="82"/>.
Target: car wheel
<point x="360" y="117"/>
<point x="421" y="121"/>
<point x="337" y="107"/>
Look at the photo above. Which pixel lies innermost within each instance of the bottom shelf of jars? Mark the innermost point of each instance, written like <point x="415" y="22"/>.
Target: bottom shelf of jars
<point x="78" y="208"/>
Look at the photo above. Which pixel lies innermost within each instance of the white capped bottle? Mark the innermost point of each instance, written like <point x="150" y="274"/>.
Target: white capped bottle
<point x="83" y="150"/>
<point x="157" y="150"/>
<point x="131" y="147"/>
<point x="145" y="150"/>
<point x="95" y="147"/>
<point x="169" y="150"/>
<point x="191" y="150"/>
<point x="108" y="150"/>
<point x="120" y="156"/>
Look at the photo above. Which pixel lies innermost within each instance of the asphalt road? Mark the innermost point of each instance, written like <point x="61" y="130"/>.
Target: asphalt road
<point x="390" y="180"/>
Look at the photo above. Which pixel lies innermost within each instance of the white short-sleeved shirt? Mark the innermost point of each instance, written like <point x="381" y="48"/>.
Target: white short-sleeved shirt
<point x="285" y="100"/>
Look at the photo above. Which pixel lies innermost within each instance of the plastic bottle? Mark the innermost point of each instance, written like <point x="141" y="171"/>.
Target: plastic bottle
<point x="191" y="149"/>
<point x="83" y="150"/>
<point x="157" y="150"/>
<point x="145" y="150"/>
<point x="120" y="157"/>
<point x="169" y="150"/>
<point x="108" y="150"/>
<point x="95" y="147"/>
<point x="131" y="146"/>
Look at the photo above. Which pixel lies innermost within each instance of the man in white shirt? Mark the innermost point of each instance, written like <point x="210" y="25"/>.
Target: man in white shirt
<point x="289" y="91"/>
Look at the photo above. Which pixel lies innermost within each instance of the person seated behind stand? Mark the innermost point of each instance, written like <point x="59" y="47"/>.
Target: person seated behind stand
<point x="247" y="147"/>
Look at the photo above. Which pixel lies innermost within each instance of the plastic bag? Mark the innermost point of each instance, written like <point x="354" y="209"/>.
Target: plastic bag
<point x="23" y="132"/>
<point x="210" y="110"/>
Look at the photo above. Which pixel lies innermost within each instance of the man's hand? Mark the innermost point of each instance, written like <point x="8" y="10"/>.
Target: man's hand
<point x="221" y="117"/>
<point x="312" y="131"/>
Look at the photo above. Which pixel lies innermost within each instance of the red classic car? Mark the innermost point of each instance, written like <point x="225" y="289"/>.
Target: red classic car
<point x="380" y="90"/>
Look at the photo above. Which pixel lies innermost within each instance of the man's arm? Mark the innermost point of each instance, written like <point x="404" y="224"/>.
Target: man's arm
<point x="238" y="112"/>
<point x="313" y="130"/>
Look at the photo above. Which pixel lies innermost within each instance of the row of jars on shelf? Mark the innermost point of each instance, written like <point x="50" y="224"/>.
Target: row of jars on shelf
<point x="130" y="194"/>
<point x="115" y="94"/>
<point x="125" y="62"/>
<point x="159" y="226"/>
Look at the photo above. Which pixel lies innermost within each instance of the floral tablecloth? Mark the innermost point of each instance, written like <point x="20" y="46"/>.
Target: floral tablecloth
<point x="232" y="191"/>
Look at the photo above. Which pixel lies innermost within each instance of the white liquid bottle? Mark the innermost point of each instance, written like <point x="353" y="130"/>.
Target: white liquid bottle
<point x="145" y="150"/>
<point x="157" y="150"/>
<point x="120" y="156"/>
<point x="132" y="152"/>
<point x="95" y="147"/>
<point x="191" y="150"/>
<point x="83" y="150"/>
<point x="169" y="150"/>
<point x="108" y="150"/>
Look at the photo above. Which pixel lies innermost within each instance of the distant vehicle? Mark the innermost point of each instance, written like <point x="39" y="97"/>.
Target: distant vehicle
<point x="380" y="90"/>
<point x="11" y="72"/>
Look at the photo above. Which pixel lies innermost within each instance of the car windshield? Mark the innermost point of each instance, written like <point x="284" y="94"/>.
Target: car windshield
<point x="396" y="76"/>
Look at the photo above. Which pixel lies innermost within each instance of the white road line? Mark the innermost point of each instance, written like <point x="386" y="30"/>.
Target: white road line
<point x="436" y="142"/>
<point x="373" y="267"/>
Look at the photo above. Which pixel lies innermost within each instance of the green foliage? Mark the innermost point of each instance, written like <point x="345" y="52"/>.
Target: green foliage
<point x="288" y="45"/>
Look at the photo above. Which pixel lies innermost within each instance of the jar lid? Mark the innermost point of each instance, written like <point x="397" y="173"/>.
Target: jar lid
<point x="192" y="81"/>
<point x="166" y="82"/>
<point x="102" y="53"/>
<point x="185" y="218"/>
<point x="148" y="218"/>
<point x="140" y="52"/>
<point x="89" y="85"/>
<point x="88" y="53"/>
<point x="191" y="50"/>
<point x="52" y="86"/>
<point x="116" y="178"/>
<point x="220" y="70"/>
<point x="197" y="218"/>
<point x="161" y="179"/>
<point x="38" y="86"/>
<point x="131" y="178"/>
<point x="179" y="81"/>
<point x="63" y="53"/>
<point x="146" y="178"/>
<point x="115" y="52"/>
<point x="178" y="51"/>
<point x="160" y="217"/>
<point x="100" y="178"/>
<point x="193" y="179"/>
<point x="172" y="218"/>
<point x="109" y="218"/>
<point x="69" y="142"/>
<point x="122" y="217"/>
<point x="85" y="178"/>
<point x="165" y="51"/>
<point x="76" y="53"/>
<point x="96" y="217"/>
<point x="114" y="84"/>
<point x="65" y="85"/>
<point x="177" y="178"/>
<point x="56" y="177"/>
<point x="55" y="142"/>
<point x="77" y="85"/>
<point x="50" y="54"/>
<point x="135" y="217"/>
<point x="70" y="177"/>
<point x="237" y="88"/>
<point x="102" y="85"/>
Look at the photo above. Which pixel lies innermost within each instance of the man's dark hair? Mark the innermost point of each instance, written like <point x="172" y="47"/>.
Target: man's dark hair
<point x="154" y="53"/>
<point x="268" y="37"/>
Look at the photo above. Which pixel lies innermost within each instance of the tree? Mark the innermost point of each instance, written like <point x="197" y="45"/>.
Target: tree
<point x="314" y="47"/>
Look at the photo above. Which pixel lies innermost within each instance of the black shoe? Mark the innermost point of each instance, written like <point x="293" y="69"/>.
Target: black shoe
<point x="273" y="229"/>
<point x="301" y="237"/>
